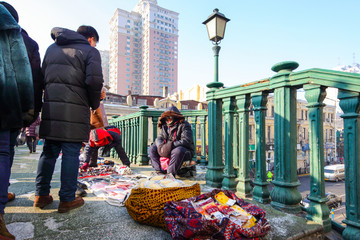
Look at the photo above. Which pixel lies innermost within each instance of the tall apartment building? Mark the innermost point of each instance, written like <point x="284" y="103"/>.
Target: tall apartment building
<point x="104" y="54"/>
<point x="144" y="50"/>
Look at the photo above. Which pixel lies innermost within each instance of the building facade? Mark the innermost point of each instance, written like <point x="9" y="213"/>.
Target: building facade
<point x="104" y="54"/>
<point x="144" y="50"/>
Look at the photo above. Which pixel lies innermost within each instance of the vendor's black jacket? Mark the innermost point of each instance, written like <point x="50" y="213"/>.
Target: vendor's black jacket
<point x="73" y="82"/>
<point x="181" y="128"/>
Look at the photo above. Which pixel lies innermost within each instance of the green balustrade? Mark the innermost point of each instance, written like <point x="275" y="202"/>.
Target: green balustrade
<point x="202" y="120"/>
<point x="318" y="211"/>
<point x="229" y="182"/>
<point x="215" y="168"/>
<point x="350" y="104"/>
<point x="261" y="192"/>
<point x="285" y="194"/>
<point x="142" y="157"/>
<point x="243" y="187"/>
<point x="193" y="127"/>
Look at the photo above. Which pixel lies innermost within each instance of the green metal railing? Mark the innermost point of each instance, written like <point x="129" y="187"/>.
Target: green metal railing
<point x="229" y="107"/>
<point x="137" y="133"/>
<point x="227" y="121"/>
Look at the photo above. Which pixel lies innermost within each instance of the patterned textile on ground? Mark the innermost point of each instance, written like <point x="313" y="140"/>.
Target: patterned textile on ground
<point x="104" y="168"/>
<point x="111" y="181"/>
<point x="146" y="201"/>
<point x="189" y="220"/>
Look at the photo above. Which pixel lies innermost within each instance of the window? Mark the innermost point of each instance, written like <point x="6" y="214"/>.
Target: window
<point x="326" y="136"/>
<point x="304" y="134"/>
<point x="269" y="133"/>
<point x="250" y="132"/>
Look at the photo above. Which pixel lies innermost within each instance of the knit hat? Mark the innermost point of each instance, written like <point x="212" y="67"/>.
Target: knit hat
<point x="11" y="10"/>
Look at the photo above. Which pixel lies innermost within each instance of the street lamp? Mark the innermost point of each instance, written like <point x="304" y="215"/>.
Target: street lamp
<point x="215" y="25"/>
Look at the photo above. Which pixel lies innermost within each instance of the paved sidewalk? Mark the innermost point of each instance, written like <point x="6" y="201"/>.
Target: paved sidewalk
<point x="98" y="219"/>
<point x="95" y="220"/>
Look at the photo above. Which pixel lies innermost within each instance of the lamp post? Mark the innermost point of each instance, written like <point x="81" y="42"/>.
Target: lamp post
<point x="215" y="25"/>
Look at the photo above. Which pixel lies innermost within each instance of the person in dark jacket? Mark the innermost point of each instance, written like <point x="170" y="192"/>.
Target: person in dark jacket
<point x="16" y="98"/>
<point x="174" y="141"/>
<point x="73" y="82"/>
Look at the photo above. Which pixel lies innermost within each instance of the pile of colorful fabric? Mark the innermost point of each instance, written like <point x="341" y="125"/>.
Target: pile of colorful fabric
<point x="219" y="214"/>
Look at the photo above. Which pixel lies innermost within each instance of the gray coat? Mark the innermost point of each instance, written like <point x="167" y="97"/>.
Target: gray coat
<point x="73" y="82"/>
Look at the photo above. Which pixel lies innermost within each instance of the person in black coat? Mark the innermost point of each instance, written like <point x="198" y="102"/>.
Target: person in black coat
<point x="73" y="82"/>
<point x="174" y="141"/>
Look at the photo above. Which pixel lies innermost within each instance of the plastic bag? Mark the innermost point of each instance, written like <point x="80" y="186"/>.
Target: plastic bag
<point x="21" y="138"/>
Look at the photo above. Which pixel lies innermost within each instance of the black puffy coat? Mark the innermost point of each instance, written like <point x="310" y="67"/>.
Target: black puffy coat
<point x="73" y="82"/>
<point x="180" y="132"/>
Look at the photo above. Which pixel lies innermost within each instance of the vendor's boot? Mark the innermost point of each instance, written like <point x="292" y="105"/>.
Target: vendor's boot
<point x="4" y="233"/>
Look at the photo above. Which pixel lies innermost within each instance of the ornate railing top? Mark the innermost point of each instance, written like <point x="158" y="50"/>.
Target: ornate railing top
<point x="284" y="77"/>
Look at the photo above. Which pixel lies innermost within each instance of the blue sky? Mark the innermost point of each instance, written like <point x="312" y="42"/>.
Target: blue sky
<point x="315" y="33"/>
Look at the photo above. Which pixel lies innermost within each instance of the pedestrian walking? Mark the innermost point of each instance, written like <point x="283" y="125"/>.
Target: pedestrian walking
<point x="16" y="97"/>
<point x="32" y="134"/>
<point x="73" y="82"/>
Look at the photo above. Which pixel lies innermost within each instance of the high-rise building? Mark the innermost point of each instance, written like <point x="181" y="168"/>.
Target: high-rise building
<point x="104" y="54"/>
<point x="144" y="50"/>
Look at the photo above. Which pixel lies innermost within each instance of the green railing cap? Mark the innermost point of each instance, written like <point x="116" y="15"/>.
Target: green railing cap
<point x="286" y="66"/>
<point x="144" y="107"/>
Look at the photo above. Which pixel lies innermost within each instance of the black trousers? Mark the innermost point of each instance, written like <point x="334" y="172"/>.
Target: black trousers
<point x="178" y="156"/>
<point x="91" y="153"/>
<point x="31" y="143"/>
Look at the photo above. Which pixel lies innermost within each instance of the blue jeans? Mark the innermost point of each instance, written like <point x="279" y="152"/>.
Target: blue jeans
<point x="4" y="167"/>
<point x="69" y="168"/>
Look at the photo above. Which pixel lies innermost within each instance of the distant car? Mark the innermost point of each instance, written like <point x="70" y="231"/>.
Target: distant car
<point x="334" y="201"/>
<point x="334" y="172"/>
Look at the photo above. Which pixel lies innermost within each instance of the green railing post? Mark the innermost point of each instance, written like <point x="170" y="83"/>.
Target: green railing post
<point x="318" y="211"/>
<point x="243" y="187"/>
<point x="229" y="182"/>
<point x="285" y="195"/>
<point x="193" y="127"/>
<point x="215" y="168"/>
<point x="136" y="138"/>
<point x="202" y="120"/>
<point x="350" y="104"/>
<point x="133" y="139"/>
<point x="154" y="125"/>
<point x="142" y="157"/>
<point x="261" y="192"/>
<point x="126" y="136"/>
